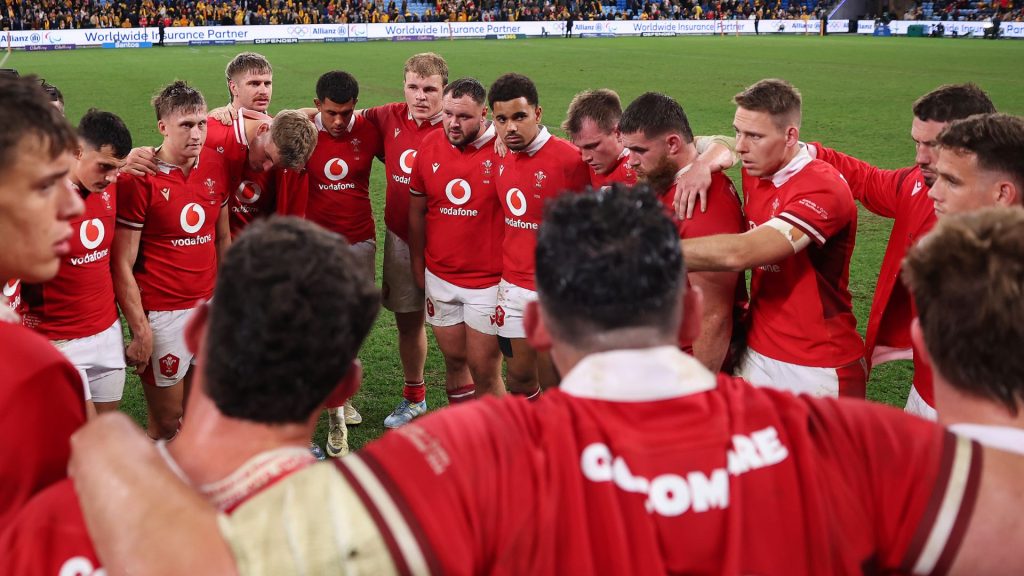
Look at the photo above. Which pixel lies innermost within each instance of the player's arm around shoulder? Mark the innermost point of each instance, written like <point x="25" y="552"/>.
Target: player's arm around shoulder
<point x="876" y="188"/>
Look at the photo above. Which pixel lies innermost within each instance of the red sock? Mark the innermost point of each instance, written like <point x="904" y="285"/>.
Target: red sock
<point x="462" y="394"/>
<point x="414" y="392"/>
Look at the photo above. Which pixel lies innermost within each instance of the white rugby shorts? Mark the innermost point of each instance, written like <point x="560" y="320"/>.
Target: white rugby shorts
<point x="761" y="370"/>
<point x="171" y="359"/>
<point x="99" y="359"/>
<point x="508" y="314"/>
<point x="448" y="305"/>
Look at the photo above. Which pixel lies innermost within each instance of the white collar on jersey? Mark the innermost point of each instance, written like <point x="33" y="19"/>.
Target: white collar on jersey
<point x="485" y="137"/>
<point x="641" y="375"/>
<point x="1005" y="438"/>
<point x="542" y="138"/>
<point x="802" y="159"/>
<point x="239" y="127"/>
<point x="318" y="121"/>
<point x="167" y="167"/>
<point x="433" y="119"/>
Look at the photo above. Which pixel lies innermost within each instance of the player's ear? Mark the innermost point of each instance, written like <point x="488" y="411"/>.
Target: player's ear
<point x="348" y="386"/>
<point x="538" y="112"/>
<point x="693" y="310"/>
<point x="317" y="103"/>
<point x="674" y="143"/>
<point x="1008" y="195"/>
<point x="792" y="136"/>
<point x="917" y="338"/>
<point x="196" y="327"/>
<point x="263" y="128"/>
<point x="536" y="331"/>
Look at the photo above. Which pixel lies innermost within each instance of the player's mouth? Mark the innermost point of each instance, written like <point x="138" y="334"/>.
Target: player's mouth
<point x="62" y="247"/>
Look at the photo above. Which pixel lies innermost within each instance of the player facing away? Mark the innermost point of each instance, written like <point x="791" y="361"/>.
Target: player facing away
<point x="42" y="400"/>
<point x="540" y="167"/>
<point x="171" y="228"/>
<point x="338" y="175"/>
<point x="659" y="142"/>
<point x="455" y="237"/>
<point x="802" y="226"/>
<point x="77" y="310"/>
<point x="403" y="126"/>
<point x="706" y="474"/>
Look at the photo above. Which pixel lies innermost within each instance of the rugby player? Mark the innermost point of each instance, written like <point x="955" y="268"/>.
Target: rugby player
<point x="171" y="228"/>
<point x="77" y="310"/>
<point x="250" y="79"/>
<point x="455" y="235"/>
<point x="540" y="167"/>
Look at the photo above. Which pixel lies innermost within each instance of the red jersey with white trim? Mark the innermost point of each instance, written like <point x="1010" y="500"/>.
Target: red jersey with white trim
<point x="79" y="301"/>
<point x="402" y="137"/>
<point x="801" y="310"/>
<point x="546" y="168"/>
<point x="903" y="196"/>
<point x="48" y="537"/>
<point x="42" y="402"/>
<point x="642" y="462"/>
<point x="12" y="292"/>
<point x="622" y="173"/>
<point x="464" y="227"/>
<point x="177" y="215"/>
<point x="339" y="179"/>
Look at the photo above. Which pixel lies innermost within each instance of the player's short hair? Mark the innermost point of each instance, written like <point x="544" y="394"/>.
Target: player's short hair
<point x="52" y="91"/>
<point x="427" y="64"/>
<point x="247" y="62"/>
<point x="98" y="129"/>
<point x="655" y="115"/>
<point x="602" y="106"/>
<point x="775" y="97"/>
<point x="291" y="308"/>
<point x="467" y="87"/>
<point x="997" y="140"/>
<point x="952" y="102"/>
<point x="295" y="138"/>
<point x="337" y="85"/>
<point x="178" y="97"/>
<point x="512" y="86"/>
<point x="606" y="260"/>
<point x="26" y="113"/>
<point x="966" y="279"/>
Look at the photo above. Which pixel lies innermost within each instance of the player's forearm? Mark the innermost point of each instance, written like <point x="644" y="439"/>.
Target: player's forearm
<point x="719" y="253"/>
<point x="126" y="290"/>
<point x="417" y="228"/>
<point x="712" y="345"/>
<point x="718" y="153"/>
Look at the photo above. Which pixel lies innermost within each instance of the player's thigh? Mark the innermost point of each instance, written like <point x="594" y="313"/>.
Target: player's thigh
<point x="451" y="340"/>
<point x="171" y="358"/>
<point x="400" y="292"/>
<point x="522" y="365"/>
<point x="366" y="255"/>
<point x="99" y="358"/>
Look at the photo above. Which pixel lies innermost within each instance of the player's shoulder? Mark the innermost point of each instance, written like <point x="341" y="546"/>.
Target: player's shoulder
<point x="561" y="145"/>
<point x="822" y="173"/>
<point x="433" y="139"/>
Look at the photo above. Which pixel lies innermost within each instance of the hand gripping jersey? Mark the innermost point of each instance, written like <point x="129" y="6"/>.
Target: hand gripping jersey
<point x="339" y="179"/>
<point x="801" y="309"/>
<point x="79" y="301"/>
<point x="621" y="173"/>
<point x="177" y="261"/>
<point x="464" y="227"/>
<point x="42" y="403"/>
<point x="402" y="137"/>
<point x="546" y="168"/>
<point x="903" y="196"/>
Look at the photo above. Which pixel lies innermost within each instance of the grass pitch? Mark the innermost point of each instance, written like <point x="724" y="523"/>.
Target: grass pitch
<point x="857" y="97"/>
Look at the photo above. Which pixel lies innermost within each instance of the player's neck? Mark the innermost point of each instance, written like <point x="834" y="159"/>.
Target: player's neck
<point x="790" y="154"/>
<point x="566" y="356"/>
<point x="956" y="407"/>
<point x="185" y="163"/>
<point x="686" y="156"/>
<point x="251" y="127"/>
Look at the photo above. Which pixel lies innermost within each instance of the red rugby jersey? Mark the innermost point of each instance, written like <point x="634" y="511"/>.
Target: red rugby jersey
<point x="42" y="402"/>
<point x="801" y="308"/>
<point x="339" y="179"/>
<point x="622" y="173"/>
<point x="463" y="220"/>
<point x="79" y="301"/>
<point x="401" y="136"/>
<point x="48" y="537"/>
<point x="526" y="180"/>
<point x="642" y="462"/>
<point x="177" y="215"/>
<point x="12" y="291"/>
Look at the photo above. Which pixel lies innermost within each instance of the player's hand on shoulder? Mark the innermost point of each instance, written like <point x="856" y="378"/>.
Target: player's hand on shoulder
<point x="226" y="115"/>
<point x="692" y="185"/>
<point x="141" y="161"/>
<point x="499" y="148"/>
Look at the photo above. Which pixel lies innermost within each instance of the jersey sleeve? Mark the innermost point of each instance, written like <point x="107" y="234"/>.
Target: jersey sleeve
<point x="723" y="216"/>
<point x="877" y="189"/>
<point x="820" y="206"/>
<point x="578" y="177"/>
<point x="292" y="192"/>
<point x="376" y="116"/>
<point x="132" y="201"/>
<point x="417" y="187"/>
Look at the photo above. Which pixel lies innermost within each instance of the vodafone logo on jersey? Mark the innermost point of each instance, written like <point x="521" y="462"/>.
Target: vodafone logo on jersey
<point x="458" y="191"/>
<point x="248" y="192"/>
<point x="405" y="161"/>
<point x="11" y="287"/>
<point x="91" y="233"/>
<point x="516" y="201"/>
<point x="192" y="218"/>
<point x="336" y="169"/>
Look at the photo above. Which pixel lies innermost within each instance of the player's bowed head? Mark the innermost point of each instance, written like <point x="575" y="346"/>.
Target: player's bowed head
<point x="610" y="275"/>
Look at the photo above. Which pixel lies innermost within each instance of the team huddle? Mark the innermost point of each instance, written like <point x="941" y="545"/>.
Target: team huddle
<point x="664" y="418"/>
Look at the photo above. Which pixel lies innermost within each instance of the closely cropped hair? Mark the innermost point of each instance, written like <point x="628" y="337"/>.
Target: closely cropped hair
<point x="291" y="308"/>
<point x="953" y="102"/>
<point x="99" y="129"/>
<point x="295" y="138"/>
<point x="427" y="64"/>
<point x="776" y="97"/>
<point x="27" y="115"/>
<point x="247" y="62"/>
<point x="602" y="106"/>
<point x="178" y="97"/>
<point x="510" y="87"/>
<point x="967" y="279"/>
<point x="606" y="260"/>
<point x="338" y="85"/>
<point x="655" y="115"/>
<point x="467" y="87"/>
<point x="996" y="139"/>
<point x="53" y="92"/>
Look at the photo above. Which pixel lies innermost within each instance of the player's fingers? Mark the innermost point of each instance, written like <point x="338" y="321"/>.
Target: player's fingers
<point x="704" y="201"/>
<point x="691" y="201"/>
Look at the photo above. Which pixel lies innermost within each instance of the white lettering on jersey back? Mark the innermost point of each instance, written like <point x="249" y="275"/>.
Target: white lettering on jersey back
<point x="674" y="494"/>
<point x="80" y="566"/>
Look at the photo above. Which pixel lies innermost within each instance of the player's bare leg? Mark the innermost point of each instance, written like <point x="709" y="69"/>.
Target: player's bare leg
<point x="546" y="372"/>
<point x="104" y="407"/>
<point x="412" y="344"/>
<point x="483" y="356"/>
<point x="458" y="382"/>
<point x="522" y="369"/>
<point x="164" y="409"/>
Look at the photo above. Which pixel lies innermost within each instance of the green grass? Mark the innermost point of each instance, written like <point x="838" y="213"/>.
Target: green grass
<point x="857" y="97"/>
